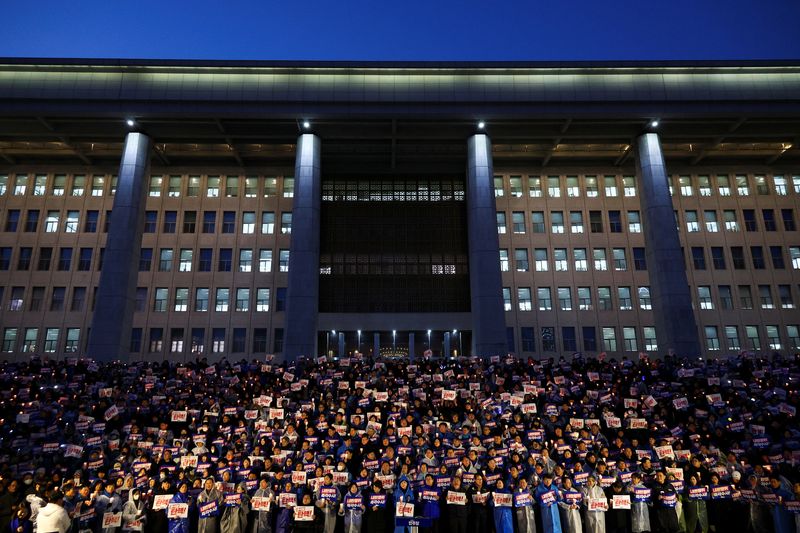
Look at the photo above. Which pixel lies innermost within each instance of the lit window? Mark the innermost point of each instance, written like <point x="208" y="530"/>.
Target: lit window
<point x="524" y="299"/>
<point x="521" y="259"/>
<point x="155" y="186"/>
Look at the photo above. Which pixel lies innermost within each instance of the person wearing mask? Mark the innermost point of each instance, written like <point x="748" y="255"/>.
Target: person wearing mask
<point x="594" y="518"/>
<point x="548" y="496"/>
<point x="353" y="509"/>
<point x="262" y="520"/>
<point x="570" y="507"/>
<point x="134" y="512"/>
<point x="53" y="518"/>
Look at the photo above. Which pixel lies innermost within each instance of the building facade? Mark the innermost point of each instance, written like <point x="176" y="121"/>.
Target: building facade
<point x="156" y="210"/>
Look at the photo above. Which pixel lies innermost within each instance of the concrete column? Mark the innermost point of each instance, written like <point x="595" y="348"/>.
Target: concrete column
<point x="446" y="349"/>
<point x="376" y="344"/>
<point x="109" y="338"/>
<point x="411" y="346"/>
<point x="485" y="283"/>
<point x="302" y="294"/>
<point x="676" y="326"/>
<point x="342" y="352"/>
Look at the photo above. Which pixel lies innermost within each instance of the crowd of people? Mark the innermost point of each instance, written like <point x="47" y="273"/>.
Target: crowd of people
<point x="503" y="445"/>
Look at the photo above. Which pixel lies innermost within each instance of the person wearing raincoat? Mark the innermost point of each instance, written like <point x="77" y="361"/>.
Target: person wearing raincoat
<point x="209" y="512"/>
<point x="501" y="510"/>
<point x="180" y="525"/>
<point x="523" y="508"/>
<point x="234" y="516"/>
<point x="548" y="497"/>
<point x="570" y="507"/>
<point x="694" y="505"/>
<point x="353" y="509"/>
<point x="262" y="520"/>
<point x="283" y="523"/>
<point x="428" y="497"/>
<point x="665" y="501"/>
<point x="640" y="496"/>
<point x="405" y="494"/>
<point x="134" y="512"/>
<point x="457" y="512"/>
<point x="594" y="520"/>
<point x="782" y="519"/>
<point x="328" y="499"/>
<point x="108" y="501"/>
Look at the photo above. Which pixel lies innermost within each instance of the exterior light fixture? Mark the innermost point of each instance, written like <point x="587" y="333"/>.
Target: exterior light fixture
<point x="654" y="123"/>
<point x="306" y="124"/>
<point x="130" y="122"/>
<point x="481" y="125"/>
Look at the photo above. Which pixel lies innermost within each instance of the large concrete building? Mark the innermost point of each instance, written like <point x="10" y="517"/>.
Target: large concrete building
<point x="163" y="209"/>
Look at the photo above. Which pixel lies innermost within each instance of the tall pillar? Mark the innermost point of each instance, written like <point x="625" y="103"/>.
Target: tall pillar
<point x="302" y="294"/>
<point x="485" y="283"/>
<point x="411" y="346"/>
<point x="676" y="327"/>
<point x="376" y="344"/>
<point x="341" y="349"/>
<point x="109" y="338"/>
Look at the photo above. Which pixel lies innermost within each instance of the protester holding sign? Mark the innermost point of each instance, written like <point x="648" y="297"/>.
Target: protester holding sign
<point x="618" y="516"/>
<point x="262" y="504"/>
<point x="548" y="496"/>
<point x="523" y="508"/>
<point x="570" y="507"/>
<point x="177" y="522"/>
<point x="353" y="509"/>
<point x="209" y="502"/>
<point x="328" y="501"/>
<point x="594" y="514"/>
<point x="307" y="516"/>
<point x="235" y="512"/>
<point x="428" y="497"/>
<point x="377" y="515"/>
<point x="403" y="495"/>
<point x="478" y="497"/>
<point x="781" y="517"/>
<point x="134" y="512"/>
<point x="665" y="501"/>
<point x="456" y="509"/>
<point x="502" y="502"/>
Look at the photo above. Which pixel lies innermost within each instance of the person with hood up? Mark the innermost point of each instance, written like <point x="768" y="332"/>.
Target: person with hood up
<point x="209" y="502"/>
<point x="328" y="499"/>
<point x="523" y="508"/>
<point x="640" y="496"/>
<point x="353" y="509"/>
<point x="262" y="520"/>
<point x="236" y="509"/>
<point x="548" y="497"/>
<point x="457" y="513"/>
<point x="594" y="519"/>
<point x="501" y="501"/>
<point x="21" y="523"/>
<point x="403" y="493"/>
<point x="570" y="507"/>
<point x="134" y="512"/>
<point x="53" y="518"/>
<point x="180" y="525"/>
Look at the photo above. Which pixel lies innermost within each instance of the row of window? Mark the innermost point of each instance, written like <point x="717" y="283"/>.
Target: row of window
<point x="49" y="340"/>
<point x="557" y="223"/>
<point x="208" y="224"/>
<point x="618" y="259"/>
<point x="609" y="340"/>
<point x="580" y="259"/>
<point x="744" y="297"/>
<point x="186" y="260"/>
<point x="388" y="190"/>
<point x="712" y="224"/>
<point x="590" y="186"/>
<point x="176" y="186"/>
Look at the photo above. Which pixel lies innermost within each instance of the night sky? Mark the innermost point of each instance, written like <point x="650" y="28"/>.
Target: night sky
<point x="404" y="30"/>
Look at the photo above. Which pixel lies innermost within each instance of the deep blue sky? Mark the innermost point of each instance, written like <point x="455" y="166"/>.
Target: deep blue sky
<point x="403" y="30"/>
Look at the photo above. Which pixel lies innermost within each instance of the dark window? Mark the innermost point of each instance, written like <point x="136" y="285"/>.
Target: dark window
<point x="5" y="258"/>
<point x="108" y="222"/>
<point x="225" y="261"/>
<point x="145" y="259"/>
<point x="718" y="257"/>
<point x="568" y="339"/>
<point x="549" y="339"/>
<point x="615" y="222"/>
<point x="228" y="222"/>
<point x="100" y="258"/>
<point x="150" y="220"/>
<point x="528" y="339"/>
<point x="750" y="220"/>
<point x="198" y="340"/>
<point x="204" y="263"/>
<point x="78" y="298"/>
<point x="141" y="298"/>
<point x="24" y="260"/>
<point x="90" y="224"/>
<point x="757" y="252"/>
<point x="85" y="259"/>
<point x="698" y="258"/>
<point x="777" y="257"/>
<point x="189" y="221"/>
<point x="170" y="221"/>
<point x="209" y="221"/>
<point x="259" y="340"/>
<point x="280" y="299"/>
<point x="510" y="339"/>
<point x="12" y="220"/>
<point x="639" y="259"/>
<point x="32" y="221"/>
<point x="45" y="256"/>
<point x="769" y="219"/>
<point x="788" y="219"/>
<point x="239" y="340"/>
<point x="277" y="342"/>
<point x="136" y="340"/>
<point x="57" y="300"/>
<point x="589" y="339"/>
<point x="37" y="297"/>
<point x="737" y="255"/>
<point x="596" y="221"/>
